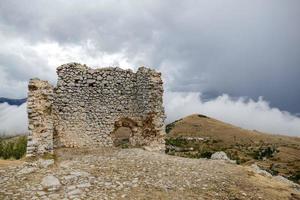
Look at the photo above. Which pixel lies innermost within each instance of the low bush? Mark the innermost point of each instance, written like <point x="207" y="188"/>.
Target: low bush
<point x="206" y="154"/>
<point x="264" y="152"/>
<point x="13" y="148"/>
<point x="178" y="142"/>
<point x="295" y="177"/>
<point x="203" y="116"/>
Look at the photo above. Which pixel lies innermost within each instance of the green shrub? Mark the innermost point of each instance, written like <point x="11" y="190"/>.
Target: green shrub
<point x="295" y="177"/>
<point x="169" y="127"/>
<point x="20" y="147"/>
<point x="263" y="152"/>
<point x="178" y="142"/>
<point x="13" y="148"/>
<point x="206" y="154"/>
<point x="203" y="116"/>
<point x="8" y="150"/>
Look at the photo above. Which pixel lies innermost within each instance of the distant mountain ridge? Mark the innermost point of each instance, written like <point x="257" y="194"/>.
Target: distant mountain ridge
<point x="15" y="102"/>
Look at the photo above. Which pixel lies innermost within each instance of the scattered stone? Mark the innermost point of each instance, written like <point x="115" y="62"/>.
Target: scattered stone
<point x="80" y="173"/>
<point x="41" y="193"/>
<point x="258" y="170"/>
<point x="45" y="163"/>
<point x="84" y="185"/>
<point x="220" y="155"/>
<point x="137" y="174"/>
<point x="27" y="170"/>
<point x="54" y="196"/>
<point x="51" y="183"/>
<point x="72" y="187"/>
<point x="287" y="181"/>
<point x="74" y="192"/>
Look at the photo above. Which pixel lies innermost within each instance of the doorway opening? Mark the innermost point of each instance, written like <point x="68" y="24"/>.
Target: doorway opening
<point x="124" y="130"/>
<point x="122" y="136"/>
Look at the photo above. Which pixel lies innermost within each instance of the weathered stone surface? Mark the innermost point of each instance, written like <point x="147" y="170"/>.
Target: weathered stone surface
<point x="287" y="181"/>
<point x="27" y="170"/>
<point x="258" y="170"/>
<point x="39" y="105"/>
<point x="220" y="155"/>
<point x="88" y="107"/>
<point x="51" y="183"/>
<point x="45" y="163"/>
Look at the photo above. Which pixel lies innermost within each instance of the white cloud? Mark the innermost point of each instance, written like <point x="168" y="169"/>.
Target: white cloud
<point x="21" y="60"/>
<point x="13" y="119"/>
<point x="242" y="112"/>
<point x="86" y="53"/>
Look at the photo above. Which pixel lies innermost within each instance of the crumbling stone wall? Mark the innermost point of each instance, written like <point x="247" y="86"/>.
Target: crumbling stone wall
<point x="39" y="108"/>
<point x="91" y="106"/>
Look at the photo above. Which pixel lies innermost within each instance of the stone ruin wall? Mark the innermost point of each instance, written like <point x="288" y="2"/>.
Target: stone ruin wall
<point x="40" y="120"/>
<point x="88" y="106"/>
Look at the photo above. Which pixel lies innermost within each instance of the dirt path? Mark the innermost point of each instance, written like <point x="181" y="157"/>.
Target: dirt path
<point x="136" y="174"/>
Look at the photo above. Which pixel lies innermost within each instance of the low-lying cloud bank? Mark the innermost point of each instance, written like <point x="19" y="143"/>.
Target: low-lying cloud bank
<point x="13" y="119"/>
<point x="243" y="112"/>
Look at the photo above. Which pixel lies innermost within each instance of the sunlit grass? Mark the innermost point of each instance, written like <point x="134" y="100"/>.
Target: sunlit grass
<point x="13" y="148"/>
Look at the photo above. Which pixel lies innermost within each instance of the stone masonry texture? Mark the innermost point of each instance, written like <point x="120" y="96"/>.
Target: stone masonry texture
<point x="93" y="107"/>
<point x="39" y="108"/>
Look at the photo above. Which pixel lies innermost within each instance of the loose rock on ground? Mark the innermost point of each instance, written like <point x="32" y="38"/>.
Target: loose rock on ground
<point x="109" y="173"/>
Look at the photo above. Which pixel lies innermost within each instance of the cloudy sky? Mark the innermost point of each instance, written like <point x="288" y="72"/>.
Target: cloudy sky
<point x="238" y="61"/>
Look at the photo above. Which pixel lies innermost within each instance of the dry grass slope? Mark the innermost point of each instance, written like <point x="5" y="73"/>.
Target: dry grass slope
<point x="275" y="153"/>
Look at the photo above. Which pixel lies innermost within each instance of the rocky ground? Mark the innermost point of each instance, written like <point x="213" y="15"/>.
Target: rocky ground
<point x="135" y="174"/>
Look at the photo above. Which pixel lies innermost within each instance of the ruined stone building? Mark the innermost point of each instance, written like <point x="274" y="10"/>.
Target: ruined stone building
<point x="96" y="107"/>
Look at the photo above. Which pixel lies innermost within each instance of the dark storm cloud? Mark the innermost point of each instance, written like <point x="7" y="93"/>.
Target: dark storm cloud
<point x="242" y="48"/>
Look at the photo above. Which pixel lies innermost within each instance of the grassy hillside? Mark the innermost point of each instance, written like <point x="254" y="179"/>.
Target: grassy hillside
<point x="200" y="136"/>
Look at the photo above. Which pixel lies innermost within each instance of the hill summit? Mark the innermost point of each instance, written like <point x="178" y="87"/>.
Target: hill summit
<point x="199" y="136"/>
